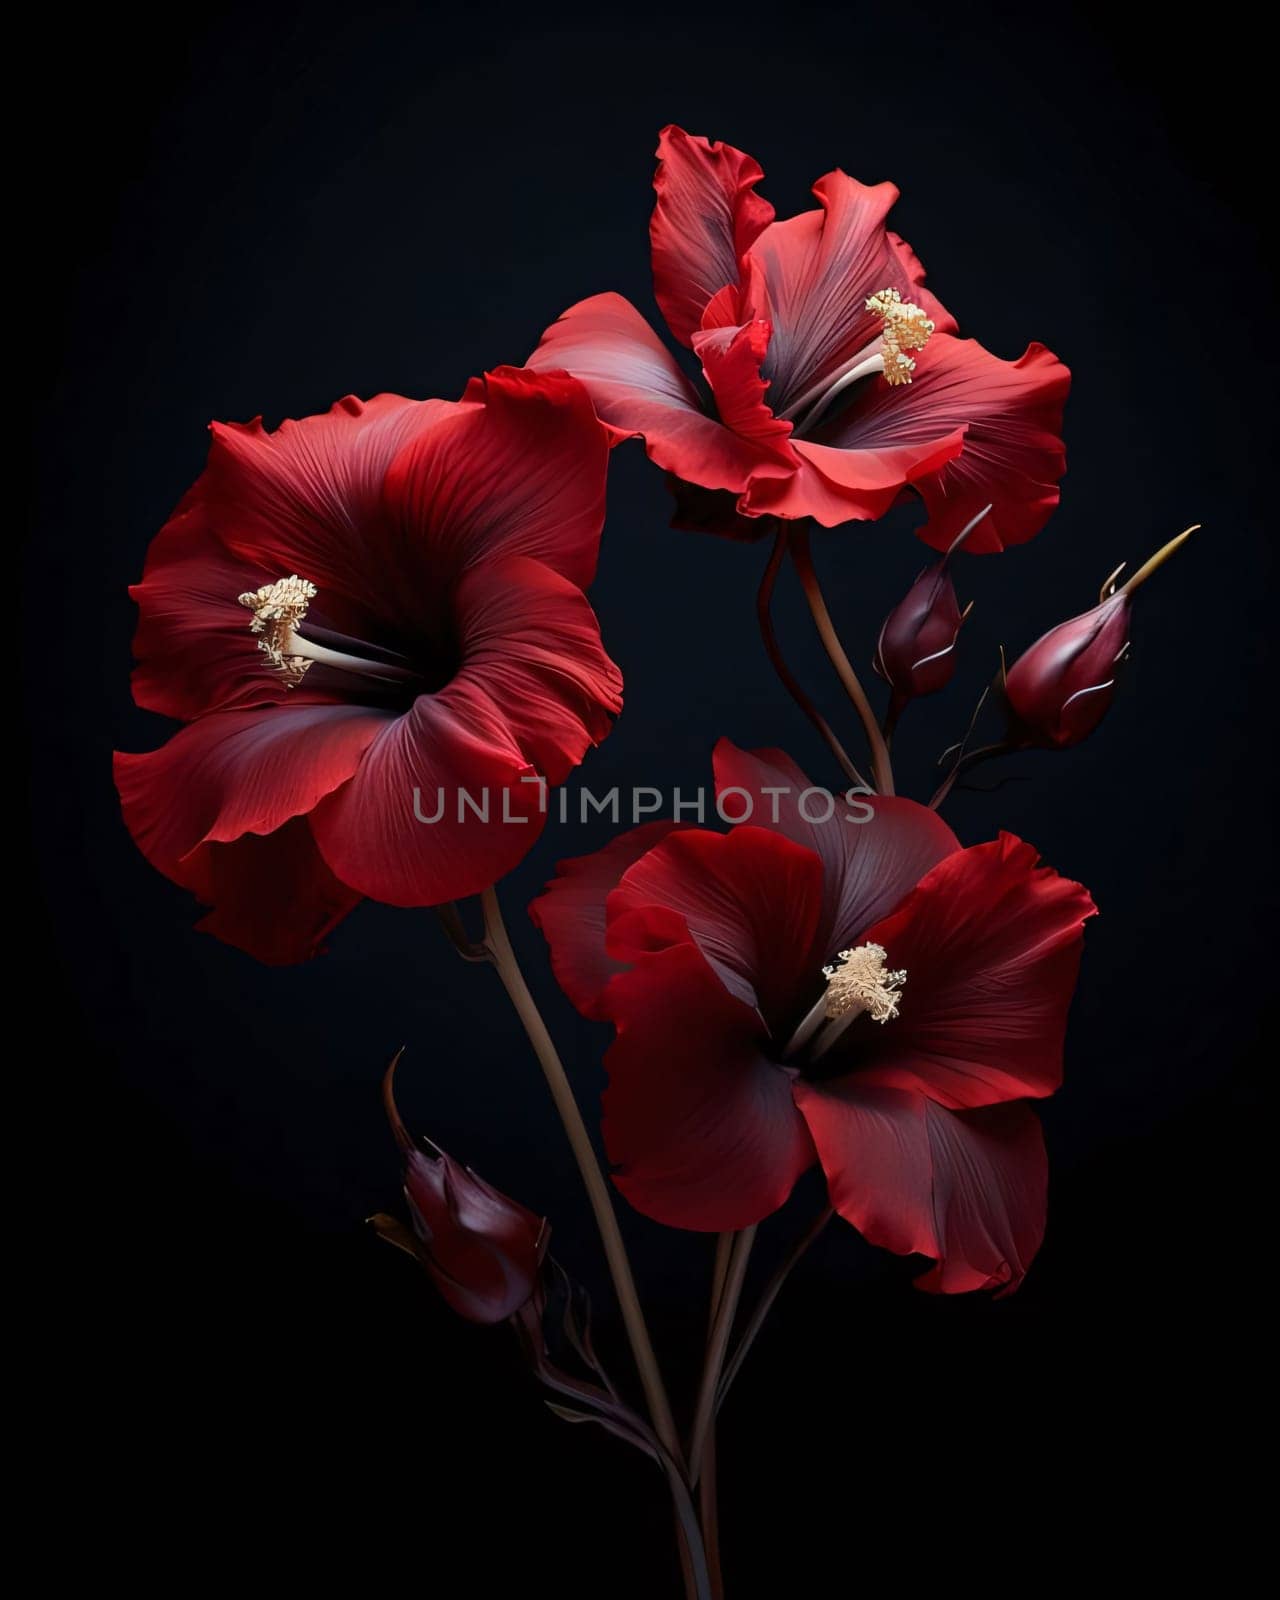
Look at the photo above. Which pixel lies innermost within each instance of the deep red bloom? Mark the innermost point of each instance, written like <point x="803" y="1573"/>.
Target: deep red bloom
<point x="359" y="616"/>
<point x="739" y="1061"/>
<point x="1061" y="688"/>
<point x="483" y="1250"/>
<point x="837" y="380"/>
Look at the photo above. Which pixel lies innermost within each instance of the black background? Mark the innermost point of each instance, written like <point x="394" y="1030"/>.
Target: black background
<point x="263" y="208"/>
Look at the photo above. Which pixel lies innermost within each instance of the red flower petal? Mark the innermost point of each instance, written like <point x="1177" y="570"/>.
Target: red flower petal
<point x="447" y="743"/>
<point x="570" y="911"/>
<point x="967" y="1188"/>
<point x="193" y="646"/>
<point x="750" y="900"/>
<point x="237" y="772"/>
<point x="834" y="486"/>
<point x="991" y="946"/>
<point x="731" y="358"/>
<point x="272" y="894"/>
<point x="638" y="389"/>
<point x="818" y="270"/>
<point x="535" y="691"/>
<point x="521" y="475"/>
<point x="868" y="866"/>
<point x="196" y="805"/>
<point x="531" y="638"/>
<point x="1012" y="457"/>
<point x="289" y="501"/>
<point x="701" y="1125"/>
<point x="707" y="214"/>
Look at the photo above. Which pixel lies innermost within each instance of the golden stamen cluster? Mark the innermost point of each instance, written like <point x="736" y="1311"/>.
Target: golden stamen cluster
<point x="277" y="609"/>
<point x="905" y="328"/>
<point x="858" y="980"/>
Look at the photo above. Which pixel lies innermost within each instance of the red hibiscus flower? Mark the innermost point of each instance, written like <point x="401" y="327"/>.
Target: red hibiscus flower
<point x="866" y="994"/>
<point x="836" y="379"/>
<point x="360" y="617"/>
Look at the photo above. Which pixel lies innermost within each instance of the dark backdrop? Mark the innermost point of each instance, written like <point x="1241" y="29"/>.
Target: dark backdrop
<point x="261" y="208"/>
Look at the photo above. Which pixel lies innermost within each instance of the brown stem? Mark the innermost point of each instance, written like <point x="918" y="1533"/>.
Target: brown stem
<point x="764" y="613"/>
<point x="963" y="764"/>
<point x="802" y="558"/>
<point x="765" y="1304"/>
<point x="707" y="1498"/>
<point x="498" y="944"/>
<point x="718" y="1343"/>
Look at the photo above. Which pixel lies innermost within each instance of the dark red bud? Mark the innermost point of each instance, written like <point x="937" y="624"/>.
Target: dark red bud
<point x="915" y="654"/>
<point x="1061" y="688"/>
<point x="483" y="1250"/>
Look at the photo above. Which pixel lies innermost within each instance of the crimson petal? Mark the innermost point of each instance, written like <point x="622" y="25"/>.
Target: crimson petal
<point x="868" y="865"/>
<point x="706" y="215"/>
<point x="638" y="389"/>
<point x="522" y="474"/>
<point x="991" y="944"/>
<point x="817" y="271"/>
<point x="570" y="911"/>
<point x="1010" y="415"/>
<point x="701" y="1124"/>
<point x="967" y="1188"/>
<point x="750" y="900"/>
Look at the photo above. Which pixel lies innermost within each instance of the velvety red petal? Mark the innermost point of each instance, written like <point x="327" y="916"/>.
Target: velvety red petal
<point x="731" y="358"/>
<point x="638" y="389"/>
<point x="874" y="850"/>
<point x="818" y="270"/>
<point x="272" y="894"/>
<point x="1012" y="456"/>
<point x="991" y="944"/>
<point x="570" y="911"/>
<point x="307" y="498"/>
<point x="750" y="900"/>
<point x="197" y="806"/>
<point x="532" y="639"/>
<point x="706" y="215"/>
<point x="701" y="1126"/>
<point x="446" y="744"/>
<point x="193" y="647"/>
<point x="521" y="474"/>
<point x="834" y="486"/>
<point x="237" y="772"/>
<point x="967" y="1188"/>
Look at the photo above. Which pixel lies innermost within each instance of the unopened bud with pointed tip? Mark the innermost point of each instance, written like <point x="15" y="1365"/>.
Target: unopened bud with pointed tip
<point x="483" y="1250"/>
<point x="1060" y="689"/>
<point x="915" y="653"/>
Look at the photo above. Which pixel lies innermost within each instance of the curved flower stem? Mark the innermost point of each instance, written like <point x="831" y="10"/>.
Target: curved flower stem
<point x="707" y="1476"/>
<point x="802" y="558"/>
<point x="718" y="1343"/>
<point x="764" y="613"/>
<point x="964" y="763"/>
<point x="503" y="957"/>
<point x="765" y="1305"/>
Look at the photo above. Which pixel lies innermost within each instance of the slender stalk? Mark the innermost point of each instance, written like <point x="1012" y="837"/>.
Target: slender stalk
<point x="963" y="764"/>
<point x="765" y="1305"/>
<point x="707" y="1498"/>
<point x="503" y="957"/>
<point x="718" y="1344"/>
<point x="764" y="613"/>
<point x="802" y="558"/>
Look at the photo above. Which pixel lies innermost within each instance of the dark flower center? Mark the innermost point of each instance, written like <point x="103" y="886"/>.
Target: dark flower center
<point x="292" y="634"/>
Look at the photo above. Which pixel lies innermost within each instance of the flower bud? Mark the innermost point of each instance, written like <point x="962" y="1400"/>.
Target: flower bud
<point x="482" y="1250"/>
<point x="1060" y="689"/>
<point x="915" y="653"/>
